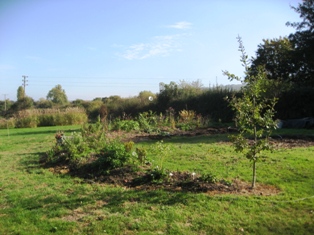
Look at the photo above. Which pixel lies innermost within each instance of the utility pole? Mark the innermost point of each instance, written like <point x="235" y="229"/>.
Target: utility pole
<point x="5" y="102"/>
<point x="24" y="83"/>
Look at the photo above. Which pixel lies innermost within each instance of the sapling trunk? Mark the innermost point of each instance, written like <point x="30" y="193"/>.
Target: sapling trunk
<point x="254" y="174"/>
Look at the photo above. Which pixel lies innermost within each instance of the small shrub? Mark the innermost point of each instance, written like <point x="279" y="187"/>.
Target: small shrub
<point x="161" y="151"/>
<point x="187" y="115"/>
<point x="209" y="178"/>
<point x="76" y="148"/>
<point x="141" y="155"/>
<point x="188" y="120"/>
<point x="148" y="122"/>
<point x="157" y="175"/>
<point x="129" y="146"/>
<point x="126" y="125"/>
<point x="113" y="155"/>
<point x="94" y="135"/>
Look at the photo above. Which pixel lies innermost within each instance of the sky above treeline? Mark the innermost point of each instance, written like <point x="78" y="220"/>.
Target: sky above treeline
<point x="100" y="48"/>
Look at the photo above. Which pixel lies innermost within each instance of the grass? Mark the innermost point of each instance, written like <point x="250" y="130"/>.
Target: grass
<point x="33" y="200"/>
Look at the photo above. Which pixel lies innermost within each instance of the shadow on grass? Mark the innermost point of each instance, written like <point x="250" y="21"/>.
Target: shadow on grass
<point x="38" y="131"/>
<point x="201" y="139"/>
<point x="113" y="196"/>
<point x="119" y="200"/>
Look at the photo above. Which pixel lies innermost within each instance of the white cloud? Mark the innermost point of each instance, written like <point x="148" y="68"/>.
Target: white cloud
<point x="159" y="46"/>
<point x="181" y="25"/>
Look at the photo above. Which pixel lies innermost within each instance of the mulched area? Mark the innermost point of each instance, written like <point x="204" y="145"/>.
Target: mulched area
<point x="283" y="141"/>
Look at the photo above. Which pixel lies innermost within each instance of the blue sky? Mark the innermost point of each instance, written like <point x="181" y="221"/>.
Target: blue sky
<point x="99" y="48"/>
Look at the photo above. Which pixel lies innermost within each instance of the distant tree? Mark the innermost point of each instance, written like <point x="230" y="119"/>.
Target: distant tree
<point x="189" y="89"/>
<point x="5" y="105"/>
<point x="43" y="103"/>
<point x="57" y="95"/>
<point x="23" y="101"/>
<point x="20" y="93"/>
<point x="254" y="113"/>
<point x="111" y="99"/>
<point x="78" y="103"/>
<point x="92" y="108"/>
<point x="144" y="97"/>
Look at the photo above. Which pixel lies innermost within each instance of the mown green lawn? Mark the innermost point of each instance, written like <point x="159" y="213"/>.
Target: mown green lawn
<point x="33" y="200"/>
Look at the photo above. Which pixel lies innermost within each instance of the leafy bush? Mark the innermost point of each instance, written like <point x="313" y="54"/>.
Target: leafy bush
<point x="148" y="121"/>
<point x="79" y="146"/>
<point x="188" y="120"/>
<point x="114" y="155"/>
<point x="90" y="145"/>
<point x="76" y="148"/>
<point x="141" y="155"/>
<point x="125" y="125"/>
<point x="94" y="135"/>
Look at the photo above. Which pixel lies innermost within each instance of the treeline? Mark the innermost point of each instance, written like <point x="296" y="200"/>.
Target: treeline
<point x="208" y="103"/>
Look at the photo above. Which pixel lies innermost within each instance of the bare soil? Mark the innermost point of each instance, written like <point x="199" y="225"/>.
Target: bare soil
<point x="141" y="179"/>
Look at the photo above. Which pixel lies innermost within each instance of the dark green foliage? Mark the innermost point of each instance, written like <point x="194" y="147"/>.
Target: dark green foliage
<point x="277" y="58"/>
<point x="295" y="103"/>
<point x="22" y="104"/>
<point x="291" y="59"/>
<point x="212" y="103"/>
<point x="209" y="102"/>
<point x="303" y="39"/>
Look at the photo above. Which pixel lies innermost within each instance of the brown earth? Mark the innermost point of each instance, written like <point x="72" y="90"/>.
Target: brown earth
<point x="284" y="141"/>
<point x="141" y="179"/>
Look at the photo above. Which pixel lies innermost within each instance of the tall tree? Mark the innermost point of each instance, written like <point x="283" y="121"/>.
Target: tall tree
<point x="57" y="95"/>
<point x="290" y="59"/>
<point x="303" y="39"/>
<point x="277" y="59"/>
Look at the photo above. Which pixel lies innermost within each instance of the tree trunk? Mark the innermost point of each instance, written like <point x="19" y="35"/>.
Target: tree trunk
<point x="254" y="174"/>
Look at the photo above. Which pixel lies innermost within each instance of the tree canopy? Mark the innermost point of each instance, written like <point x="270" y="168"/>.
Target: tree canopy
<point x="57" y="95"/>
<point x="290" y="59"/>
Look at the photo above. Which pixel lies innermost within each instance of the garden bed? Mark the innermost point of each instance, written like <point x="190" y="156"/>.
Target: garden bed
<point x="141" y="179"/>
